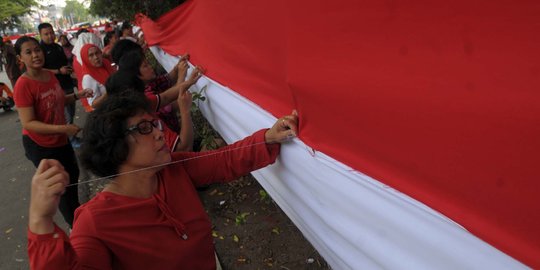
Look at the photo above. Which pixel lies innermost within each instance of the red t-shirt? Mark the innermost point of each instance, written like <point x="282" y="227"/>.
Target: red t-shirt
<point x="169" y="230"/>
<point x="47" y="99"/>
<point x="171" y="138"/>
<point x="155" y="101"/>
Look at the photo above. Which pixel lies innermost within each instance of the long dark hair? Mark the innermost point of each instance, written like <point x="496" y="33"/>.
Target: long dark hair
<point x="122" y="81"/>
<point x="21" y="41"/>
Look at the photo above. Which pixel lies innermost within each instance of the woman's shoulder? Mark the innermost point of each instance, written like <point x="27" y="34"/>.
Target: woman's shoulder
<point x="25" y="81"/>
<point x="88" y="78"/>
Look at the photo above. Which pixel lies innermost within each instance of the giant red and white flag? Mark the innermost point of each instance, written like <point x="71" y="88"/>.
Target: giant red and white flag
<point x="419" y="120"/>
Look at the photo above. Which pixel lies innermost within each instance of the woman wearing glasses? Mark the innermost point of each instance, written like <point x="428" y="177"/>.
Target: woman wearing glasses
<point x="149" y="215"/>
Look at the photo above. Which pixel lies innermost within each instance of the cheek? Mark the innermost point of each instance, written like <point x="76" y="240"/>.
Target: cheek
<point x="27" y="58"/>
<point x="96" y="62"/>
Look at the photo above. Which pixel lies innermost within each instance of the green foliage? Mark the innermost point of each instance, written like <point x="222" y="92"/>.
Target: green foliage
<point x="151" y="59"/>
<point x="264" y="197"/>
<point x="203" y="129"/>
<point x="198" y="97"/>
<point x="126" y="9"/>
<point x="27" y="27"/>
<point x="76" y="11"/>
<point x="11" y="10"/>
<point x="241" y="218"/>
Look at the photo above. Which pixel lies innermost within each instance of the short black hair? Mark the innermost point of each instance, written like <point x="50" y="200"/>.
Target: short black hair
<point x="104" y="146"/>
<point x="21" y="41"/>
<point x="126" y="25"/>
<point x="122" y="47"/>
<point x="122" y="81"/>
<point x="131" y="62"/>
<point x="108" y="36"/>
<point x="43" y="26"/>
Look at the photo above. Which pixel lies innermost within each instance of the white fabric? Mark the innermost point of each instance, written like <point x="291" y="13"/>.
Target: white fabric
<point x="88" y="82"/>
<point x="354" y="221"/>
<point x="82" y="39"/>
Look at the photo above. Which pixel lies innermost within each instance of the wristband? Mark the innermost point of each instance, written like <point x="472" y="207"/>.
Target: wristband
<point x="59" y="72"/>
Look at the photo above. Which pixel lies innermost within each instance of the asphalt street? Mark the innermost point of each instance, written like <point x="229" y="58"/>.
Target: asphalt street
<point x="15" y="182"/>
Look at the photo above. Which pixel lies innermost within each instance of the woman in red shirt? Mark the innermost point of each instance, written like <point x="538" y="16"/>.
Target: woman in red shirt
<point x="40" y="103"/>
<point x="149" y="216"/>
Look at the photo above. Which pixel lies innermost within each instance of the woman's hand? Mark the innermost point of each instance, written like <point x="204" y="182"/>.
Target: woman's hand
<point x="184" y="101"/>
<point x="193" y="78"/>
<point x="182" y="68"/>
<point x="48" y="184"/>
<point x="285" y="127"/>
<point x="86" y="93"/>
<point x="71" y="129"/>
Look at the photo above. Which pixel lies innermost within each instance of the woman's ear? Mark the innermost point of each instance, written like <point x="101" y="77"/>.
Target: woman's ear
<point x="19" y="61"/>
<point x="131" y="139"/>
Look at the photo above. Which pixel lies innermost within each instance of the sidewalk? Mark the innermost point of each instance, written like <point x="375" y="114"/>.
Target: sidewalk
<point x="16" y="177"/>
<point x="17" y="173"/>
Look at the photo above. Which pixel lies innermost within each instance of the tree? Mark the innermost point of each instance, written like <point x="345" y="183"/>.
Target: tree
<point x="11" y="10"/>
<point x="76" y="11"/>
<point x="126" y="9"/>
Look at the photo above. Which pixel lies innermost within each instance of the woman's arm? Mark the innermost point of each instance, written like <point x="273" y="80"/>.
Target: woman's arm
<point x="71" y="98"/>
<point x="30" y="123"/>
<point x="48" y="245"/>
<point x="251" y="153"/>
<point x="186" y="129"/>
<point x="171" y="94"/>
<point x="97" y="95"/>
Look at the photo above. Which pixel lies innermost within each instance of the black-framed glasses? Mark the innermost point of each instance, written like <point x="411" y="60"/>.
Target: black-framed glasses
<point x="146" y="126"/>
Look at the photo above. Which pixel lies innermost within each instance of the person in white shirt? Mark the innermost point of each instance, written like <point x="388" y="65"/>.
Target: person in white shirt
<point x="95" y="72"/>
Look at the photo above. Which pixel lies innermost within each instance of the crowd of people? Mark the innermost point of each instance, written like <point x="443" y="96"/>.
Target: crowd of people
<point x="139" y="133"/>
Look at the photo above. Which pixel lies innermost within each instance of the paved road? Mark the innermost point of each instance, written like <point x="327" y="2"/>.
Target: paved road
<point x="15" y="180"/>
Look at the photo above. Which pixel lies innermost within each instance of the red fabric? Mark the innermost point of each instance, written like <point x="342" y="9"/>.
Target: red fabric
<point x="5" y="88"/>
<point x="47" y="99"/>
<point x="117" y="232"/>
<point x="100" y="74"/>
<point x="170" y="137"/>
<point x="157" y="86"/>
<point x="155" y="101"/>
<point x="438" y="99"/>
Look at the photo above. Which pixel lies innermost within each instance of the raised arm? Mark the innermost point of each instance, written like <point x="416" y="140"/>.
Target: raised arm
<point x="186" y="128"/>
<point x="229" y="162"/>
<point x="182" y="84"/>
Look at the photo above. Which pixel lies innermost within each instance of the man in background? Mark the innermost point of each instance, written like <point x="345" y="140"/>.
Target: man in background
<point x="57" y="62"/>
